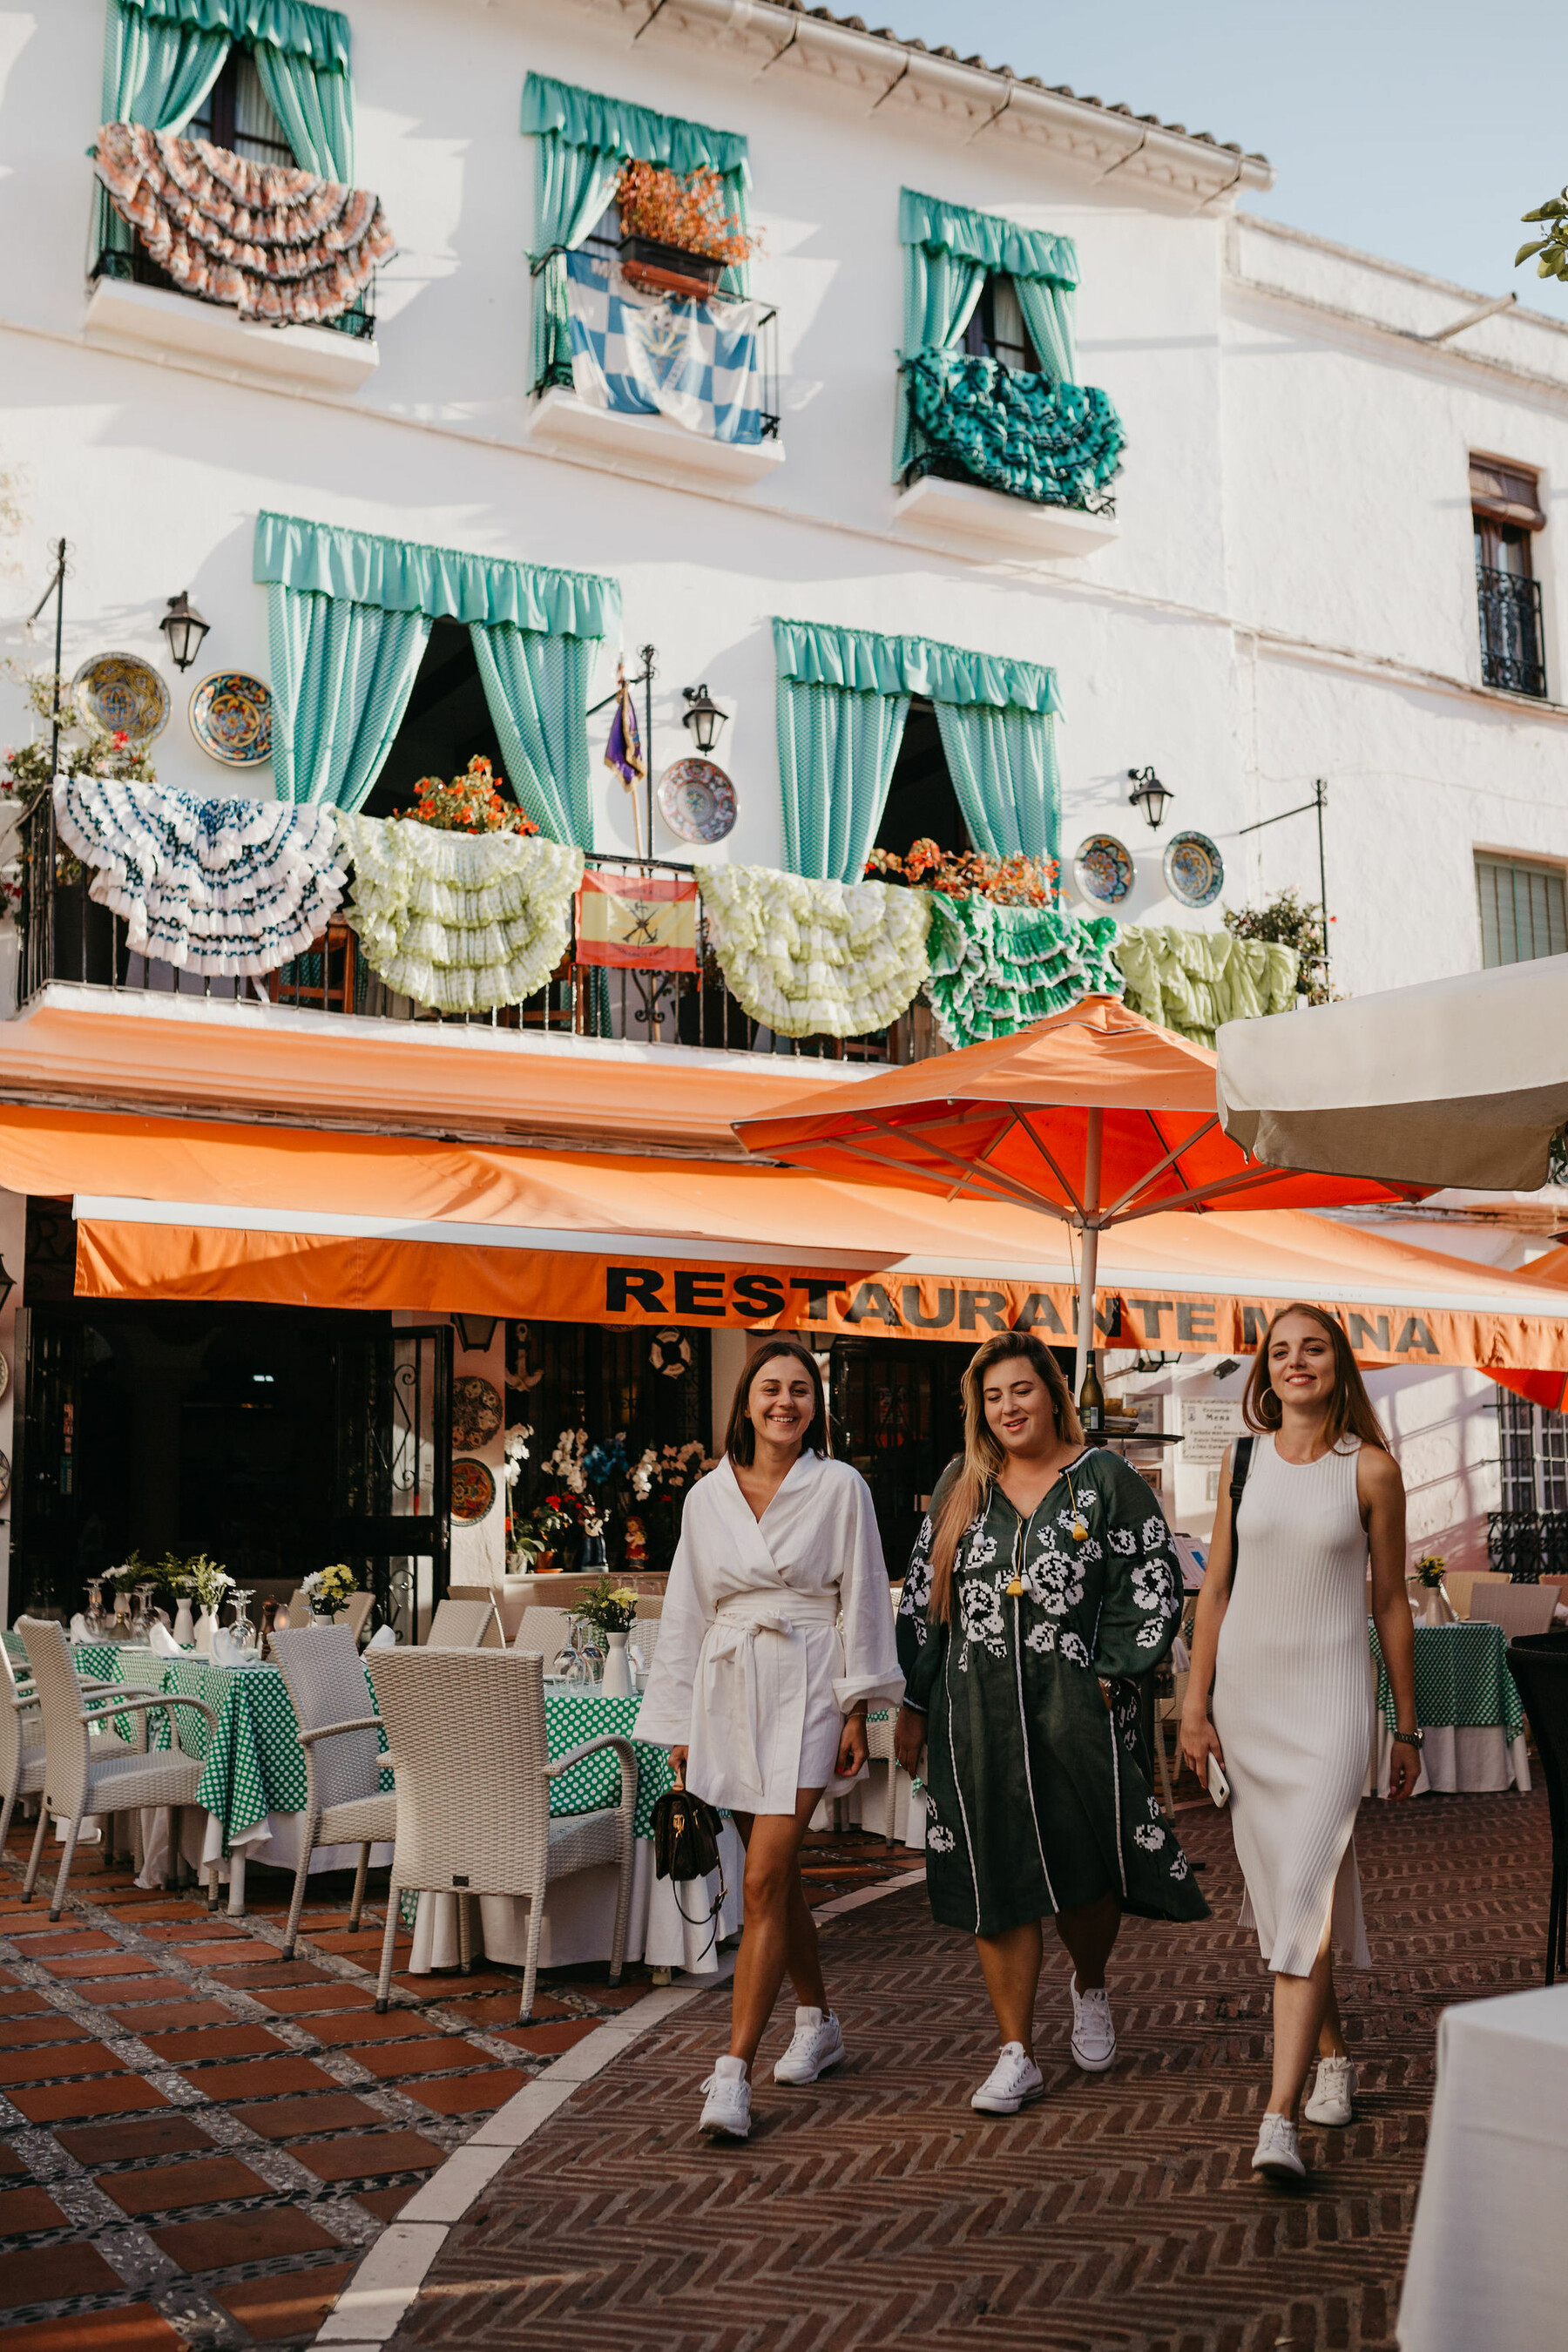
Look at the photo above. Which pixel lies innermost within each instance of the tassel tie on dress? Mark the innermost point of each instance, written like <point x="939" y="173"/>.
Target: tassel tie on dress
<point x="727" y="1688"/>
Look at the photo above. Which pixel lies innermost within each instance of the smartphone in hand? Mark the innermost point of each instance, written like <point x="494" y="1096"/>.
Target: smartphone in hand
<point x="1219" y="1786"/>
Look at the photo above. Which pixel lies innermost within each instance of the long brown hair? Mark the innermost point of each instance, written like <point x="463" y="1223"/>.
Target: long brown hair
<point x="983" y="1454"/>
<point x="1350" y="1407"/>
<point x="741" y="1438"/>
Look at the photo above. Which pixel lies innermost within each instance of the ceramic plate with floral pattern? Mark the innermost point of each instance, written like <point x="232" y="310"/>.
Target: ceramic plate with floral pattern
<point x="696" y="801"/>
<point x="1103" y="869"/>
<point x="122" y="695"/>
<point x="473" y="1492"/>
<point x="476" y="1412"/>
<point x="1195" y="870"/>
<point x="231" y="717"/>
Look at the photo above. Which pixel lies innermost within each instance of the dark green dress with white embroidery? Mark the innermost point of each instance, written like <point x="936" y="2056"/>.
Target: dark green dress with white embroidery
<point x="1037" y="1798"/>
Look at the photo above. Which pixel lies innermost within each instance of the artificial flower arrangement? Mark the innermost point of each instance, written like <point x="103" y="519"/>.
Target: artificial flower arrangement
<point x="471" y="803"/>
<point x="613" y="1608"/>
<point x="684" y="210"/>
<point x="1428" y="1571"/>
<point x="203" y="1577"/>
<point x="328" y="1589"/>
<point x="1016" y="881"/>
<point x="135" y="1571"/>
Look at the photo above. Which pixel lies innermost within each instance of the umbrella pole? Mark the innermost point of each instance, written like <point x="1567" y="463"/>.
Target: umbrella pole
<point x="1090" y="1262"/>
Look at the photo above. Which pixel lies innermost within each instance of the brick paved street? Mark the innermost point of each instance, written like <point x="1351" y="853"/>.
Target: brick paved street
<point x="879" y="2209"/>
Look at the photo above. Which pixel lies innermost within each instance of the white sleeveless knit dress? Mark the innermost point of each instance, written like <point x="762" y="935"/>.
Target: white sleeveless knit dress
<point x="1293" y="1703"/>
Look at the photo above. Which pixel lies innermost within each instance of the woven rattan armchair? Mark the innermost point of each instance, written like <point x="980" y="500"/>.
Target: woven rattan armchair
<point x="545" y="1632"/>
<point x="465" y="1625"/>
<point x="473" y="1795"/>
<point x="21" y="1742"/>
<point x="344" y="1803"/>
<point x="79" y="1780"/>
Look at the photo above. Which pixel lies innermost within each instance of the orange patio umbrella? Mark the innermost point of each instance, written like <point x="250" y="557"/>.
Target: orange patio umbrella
<point x="1092" y="1117"/>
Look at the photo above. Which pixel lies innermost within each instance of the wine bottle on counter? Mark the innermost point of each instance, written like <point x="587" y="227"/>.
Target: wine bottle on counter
<point x="1091" y="1400"/>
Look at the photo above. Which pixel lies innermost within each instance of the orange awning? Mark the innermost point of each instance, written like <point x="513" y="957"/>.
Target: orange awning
<point x="196" y="1210"/>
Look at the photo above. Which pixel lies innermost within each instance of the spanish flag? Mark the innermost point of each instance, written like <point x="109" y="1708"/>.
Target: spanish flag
<point x="645" y="921"/>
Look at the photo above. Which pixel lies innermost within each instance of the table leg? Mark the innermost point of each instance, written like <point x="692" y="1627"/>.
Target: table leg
<point x="237" y="1883"/>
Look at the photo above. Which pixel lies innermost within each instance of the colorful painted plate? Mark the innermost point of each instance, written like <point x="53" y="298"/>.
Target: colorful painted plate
<point x="123" y="695"/>
<point x="231" y="719"/>
<point x="1103" y="870"/>
<point x="473" y="1492"/>
<point x="1195" y="870"/>
<point x="696" y="801"/>
<point x="476" y="1412"/>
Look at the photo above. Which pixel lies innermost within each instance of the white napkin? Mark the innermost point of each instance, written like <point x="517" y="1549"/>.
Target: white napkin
<point x="163" y="1645"/>
<point x="226" y="1650"/>
<point x="78" y="1627"/>
<point x="384" y="1638"/>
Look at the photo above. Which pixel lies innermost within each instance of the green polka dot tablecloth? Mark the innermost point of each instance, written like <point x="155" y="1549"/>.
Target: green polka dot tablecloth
<point x="1461" y="1677"/>
<point x="572" y="1716"/>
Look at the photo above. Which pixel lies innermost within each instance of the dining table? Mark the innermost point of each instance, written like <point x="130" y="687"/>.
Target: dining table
<point x="1469" y="1707"/>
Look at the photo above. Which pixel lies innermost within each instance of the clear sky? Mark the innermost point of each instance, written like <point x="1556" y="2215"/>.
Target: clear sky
<point x="1419" y="133"/>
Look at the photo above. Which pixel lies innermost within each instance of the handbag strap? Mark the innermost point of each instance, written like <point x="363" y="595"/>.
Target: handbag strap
<point x="1241" y="1463"/>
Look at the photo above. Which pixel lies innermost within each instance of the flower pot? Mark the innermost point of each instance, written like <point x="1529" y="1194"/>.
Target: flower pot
<point x="207" y="1626"/>
<point x="184" y="1632"/>
<point x="617" y="1682"/>
<point x="1431" y="1604"/>
<point x="547" y="1564"/>
<point x="667" y="270"/>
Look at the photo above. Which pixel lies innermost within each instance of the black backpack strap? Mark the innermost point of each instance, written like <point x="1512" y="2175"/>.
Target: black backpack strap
<point x="1241" y="1463"/>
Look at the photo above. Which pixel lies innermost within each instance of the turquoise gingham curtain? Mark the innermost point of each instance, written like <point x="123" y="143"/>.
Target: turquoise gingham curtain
<point x="341" y="676"/>
<point x="836" y="750"/>
<point x="1004" y="768"/>
<point x="537" y="691"/>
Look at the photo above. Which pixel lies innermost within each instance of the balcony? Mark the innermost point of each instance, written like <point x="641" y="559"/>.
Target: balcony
<point x="1528" y="1545"/>
<point x="1006" y="460"/>
<point x="1511" y="640"/>
<point x="323" y="1037"/>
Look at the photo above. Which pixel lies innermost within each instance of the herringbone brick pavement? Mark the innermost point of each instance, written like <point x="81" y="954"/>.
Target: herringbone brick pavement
<point x="877" y="2208"/>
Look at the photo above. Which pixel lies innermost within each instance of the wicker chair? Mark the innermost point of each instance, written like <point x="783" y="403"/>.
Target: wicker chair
<point x="21" y="1743"/>
<point x="77" y="1781"/>
<point x="546" y="1633"/>
<point x="356" y="1615"/>
<point x="344" y="1805"/>
<point x="473" y="1795"/>
<point x="464" y="1625"/>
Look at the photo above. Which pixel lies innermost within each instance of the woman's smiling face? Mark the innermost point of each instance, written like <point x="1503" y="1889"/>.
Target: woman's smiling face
<point x="781" y="1401"/>
<point x="1301" y="1362"/>
<point x="1018" y="1407"/>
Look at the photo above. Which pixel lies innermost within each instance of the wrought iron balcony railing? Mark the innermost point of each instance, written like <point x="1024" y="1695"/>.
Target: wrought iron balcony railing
<point x="1511" y="640"/>
<point x="65" y="936"/>
<point x="1528" y="1545"/>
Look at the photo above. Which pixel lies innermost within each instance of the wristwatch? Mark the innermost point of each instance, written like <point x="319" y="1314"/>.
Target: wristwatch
<point x="1408" y="1738"/>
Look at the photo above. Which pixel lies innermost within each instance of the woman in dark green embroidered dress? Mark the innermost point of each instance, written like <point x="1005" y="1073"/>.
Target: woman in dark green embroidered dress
<point x="1043" y="1587"/>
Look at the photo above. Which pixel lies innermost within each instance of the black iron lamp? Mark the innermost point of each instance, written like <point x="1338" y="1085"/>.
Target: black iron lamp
<point x="476" y="1331"/>
<point x="703" y="716"/>
<point x="1149" y="794"/>
<point x="184" y="628"/>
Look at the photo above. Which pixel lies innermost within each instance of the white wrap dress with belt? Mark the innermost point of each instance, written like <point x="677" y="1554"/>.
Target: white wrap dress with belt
<point x="772" y="1630"/>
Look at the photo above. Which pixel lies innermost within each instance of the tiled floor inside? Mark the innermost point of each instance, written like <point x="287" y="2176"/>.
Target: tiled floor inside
<point x="198" y="2139"/>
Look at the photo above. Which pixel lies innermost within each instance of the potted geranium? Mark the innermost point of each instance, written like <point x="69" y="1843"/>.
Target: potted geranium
<point x="676" y="235"/>
<point x="471" y="803"/>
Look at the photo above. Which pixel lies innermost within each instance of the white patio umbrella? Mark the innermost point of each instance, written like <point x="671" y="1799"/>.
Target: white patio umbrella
<point x="1458" y="1082"/>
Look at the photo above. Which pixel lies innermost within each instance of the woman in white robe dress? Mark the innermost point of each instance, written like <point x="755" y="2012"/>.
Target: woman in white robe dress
<point x="777" y="1633"/>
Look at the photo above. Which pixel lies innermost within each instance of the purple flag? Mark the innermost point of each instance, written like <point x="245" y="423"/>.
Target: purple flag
<point x="624" y="750"/>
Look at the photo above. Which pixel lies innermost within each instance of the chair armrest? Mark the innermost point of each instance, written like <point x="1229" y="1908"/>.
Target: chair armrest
<point x="334" y="1730"/>
<point x="99" y="1707"/>
<point x="616" y="1739"/>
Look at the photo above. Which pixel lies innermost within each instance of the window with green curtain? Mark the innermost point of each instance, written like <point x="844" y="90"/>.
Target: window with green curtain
<point x="842" y="697"/>
<point x="583" y="140"/>
<point x="349" y="615"/>
<point x="1034" y="433"/>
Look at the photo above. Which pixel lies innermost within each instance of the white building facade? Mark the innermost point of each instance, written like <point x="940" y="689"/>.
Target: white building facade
<point x="1331" y="552"/>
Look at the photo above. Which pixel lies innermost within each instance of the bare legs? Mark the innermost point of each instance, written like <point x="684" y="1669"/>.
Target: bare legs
<point x="1306" y="2018"/>
<point x="779" y="1934"/>
<point x="1010" y="1962"/>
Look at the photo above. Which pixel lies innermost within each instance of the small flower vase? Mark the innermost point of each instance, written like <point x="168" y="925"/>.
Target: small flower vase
<point x="184" y="1632"/>
<point x="207" y="1626"/>
<point x="617" y="1682"/>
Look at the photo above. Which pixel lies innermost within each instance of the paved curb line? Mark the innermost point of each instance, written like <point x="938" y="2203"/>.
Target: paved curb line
<point x="370" y="2307"/>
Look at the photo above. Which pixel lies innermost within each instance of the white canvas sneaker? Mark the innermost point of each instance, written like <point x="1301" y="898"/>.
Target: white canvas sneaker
<point x="728" y="2108"/>
<point x="1332" y="2093"/>
<point x="1012" y="2083"/>
<point x="818" y="2046"/>
<point x="1277" y="2153"/>
<point x="1093" y="2035"/>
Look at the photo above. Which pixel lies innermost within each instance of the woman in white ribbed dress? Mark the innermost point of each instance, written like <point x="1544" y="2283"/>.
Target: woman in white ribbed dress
<point x="1280" y="1638"/>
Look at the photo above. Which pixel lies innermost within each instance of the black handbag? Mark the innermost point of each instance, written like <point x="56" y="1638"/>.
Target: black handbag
<point x="685" y="1835"/>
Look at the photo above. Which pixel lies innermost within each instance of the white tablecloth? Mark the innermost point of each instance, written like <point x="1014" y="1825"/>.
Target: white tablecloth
<point x="1457" y="1758"/>
<point x="1489" y="2259"/>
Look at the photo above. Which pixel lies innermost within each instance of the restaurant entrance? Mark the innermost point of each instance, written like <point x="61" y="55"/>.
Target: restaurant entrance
<point x="898" y="1417"/>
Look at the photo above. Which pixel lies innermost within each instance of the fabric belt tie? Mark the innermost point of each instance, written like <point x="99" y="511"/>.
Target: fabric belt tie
<point x="731" y="1642"/>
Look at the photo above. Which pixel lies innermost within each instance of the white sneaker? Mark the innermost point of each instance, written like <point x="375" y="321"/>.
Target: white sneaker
<point x="1012" y="2083"/>
<point x="729" y="2107"/>
<point x="1277" y="2153"/>
<point x="1093" y="2035"/>
<point x="818" y="2046"/>
<point x="1332" y="2093"/>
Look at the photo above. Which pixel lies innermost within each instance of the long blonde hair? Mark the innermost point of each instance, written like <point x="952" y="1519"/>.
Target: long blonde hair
<point x="983" y="1454"/>
<point x="1350" y="1407"/>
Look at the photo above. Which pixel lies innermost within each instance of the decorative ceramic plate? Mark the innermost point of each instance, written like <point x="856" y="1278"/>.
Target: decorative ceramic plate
<point x="473" y="1492"/>
<point x="4" y="1376"/>
<point x="1103" y="869"/>
<point x="231" y="719"/>
<point x="1195" y="870"/>
<point x="4" y="1475"/>
<point x="696" y="801"/>
<point x="476" y="1412"/>
<point x="123" y="695"/>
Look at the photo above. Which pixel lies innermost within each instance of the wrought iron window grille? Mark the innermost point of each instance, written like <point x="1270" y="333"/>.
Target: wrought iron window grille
<point x="1512" y="639"/>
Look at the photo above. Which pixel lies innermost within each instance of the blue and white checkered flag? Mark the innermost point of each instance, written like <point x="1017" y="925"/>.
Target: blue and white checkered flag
<point x="648" y="355"/>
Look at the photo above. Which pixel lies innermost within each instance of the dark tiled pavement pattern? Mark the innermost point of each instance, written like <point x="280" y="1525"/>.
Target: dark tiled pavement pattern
<point x="1117" y="2215"/>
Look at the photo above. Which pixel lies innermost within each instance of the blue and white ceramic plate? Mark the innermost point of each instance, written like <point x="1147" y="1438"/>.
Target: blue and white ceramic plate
<point x="1195" y="870"/>
<point x="122" y="695"/>
<point x="231" y="719"/>
<point x="1103" y="869"/>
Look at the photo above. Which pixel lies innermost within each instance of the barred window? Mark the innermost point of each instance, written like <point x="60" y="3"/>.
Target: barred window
<point x="1534" y="1456"/>
<point x="1522" y="910"/>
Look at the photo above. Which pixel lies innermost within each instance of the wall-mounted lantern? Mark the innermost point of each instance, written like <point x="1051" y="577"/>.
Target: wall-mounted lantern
<point x="184" y="628"/>
<point x="703" y="716"/>
<point x="1149" y="794"/>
